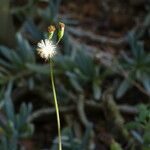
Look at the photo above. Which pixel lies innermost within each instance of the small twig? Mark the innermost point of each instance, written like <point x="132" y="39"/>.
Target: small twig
<point x="48" y="111"/>
<point x="115" y="117"/>
<point x="137" y="85"/>
<point x="124" y="108"/>
<point x="127" y="109"/>
<point x="97" y="38"/>
<point x="81" y="112"/>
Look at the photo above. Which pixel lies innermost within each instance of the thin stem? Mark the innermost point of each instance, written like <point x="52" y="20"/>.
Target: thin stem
<point x="56" y="105"/>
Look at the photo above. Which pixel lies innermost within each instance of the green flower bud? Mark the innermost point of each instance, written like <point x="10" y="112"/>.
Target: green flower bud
<point x="61" y="31"/>
<point x="51" y="30"/>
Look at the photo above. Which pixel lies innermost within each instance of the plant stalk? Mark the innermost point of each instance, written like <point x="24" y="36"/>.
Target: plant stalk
<point x="56" y="105"/>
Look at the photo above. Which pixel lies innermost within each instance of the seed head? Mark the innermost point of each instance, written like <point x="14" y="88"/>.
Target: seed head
<point x="46" y="49"/>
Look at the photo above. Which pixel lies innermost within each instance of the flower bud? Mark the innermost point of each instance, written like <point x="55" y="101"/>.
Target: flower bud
<point x="61" y="31"/>
<point x="51" y="30"/>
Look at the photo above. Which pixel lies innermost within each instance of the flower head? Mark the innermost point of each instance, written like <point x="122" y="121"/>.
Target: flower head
<point x="46" y="49"/>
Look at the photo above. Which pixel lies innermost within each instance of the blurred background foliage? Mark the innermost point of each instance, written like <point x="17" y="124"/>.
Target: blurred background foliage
<point x="102" y="73"/>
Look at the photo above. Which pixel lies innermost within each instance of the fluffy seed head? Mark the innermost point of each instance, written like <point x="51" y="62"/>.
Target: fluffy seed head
<point x="46" y="49"/>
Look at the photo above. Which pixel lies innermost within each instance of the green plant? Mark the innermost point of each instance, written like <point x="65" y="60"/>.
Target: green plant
<point x="71" y="142"/>
<point x="14" y="62"/>
<point x="19" y="63"/>
<point x="140" y="127"/>
<point x="135" y="68"/>
<point x="14" y="126"/>
<point x="82" y="70"/>
<point x="115" y="146"/>
<point x="46" y="49"/>
<point x="51" y="12"/>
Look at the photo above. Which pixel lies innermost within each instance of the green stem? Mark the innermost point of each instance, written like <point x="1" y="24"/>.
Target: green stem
<point x="56" y="105"/>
